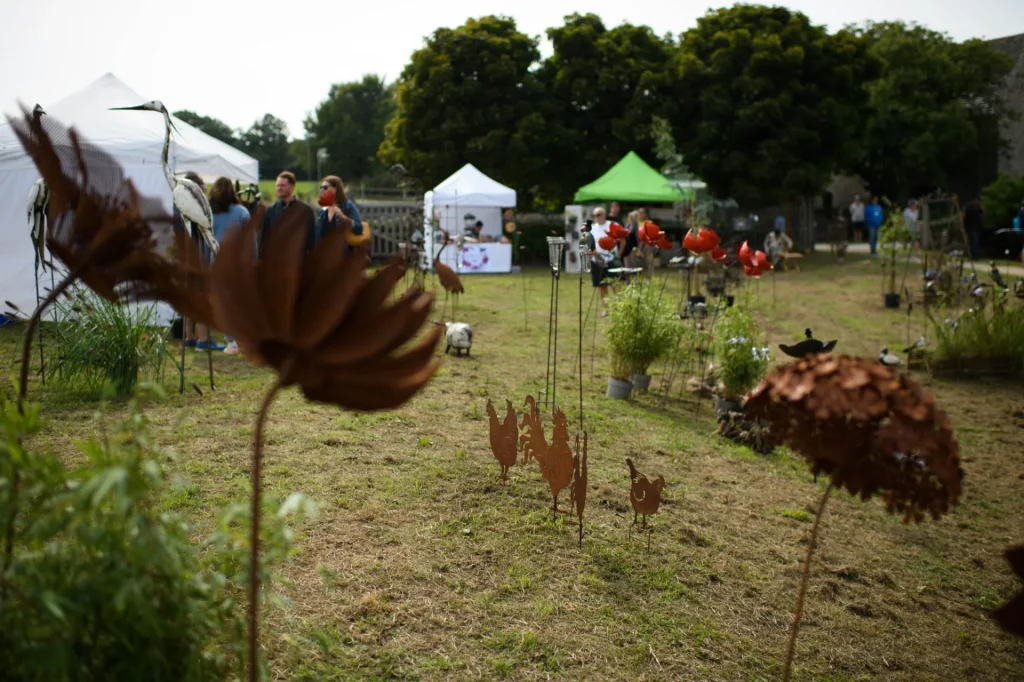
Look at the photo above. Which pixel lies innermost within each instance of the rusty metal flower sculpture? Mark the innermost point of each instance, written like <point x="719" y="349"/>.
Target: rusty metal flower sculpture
<point x="119" y="243"/>
<point x="870" y="430"/>
<point x="322" y="324"/>
<point x="1010" y="615"/>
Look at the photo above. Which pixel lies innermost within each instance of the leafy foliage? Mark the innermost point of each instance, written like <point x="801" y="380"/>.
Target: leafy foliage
<point x="742" y="354"/>
<point x="213" y="127"/>
<point x="349" y="124"/>
<point x="267" y="142"/>
<point x="602" y="89"/>
<point x="102" y="581"/>
<point x="99" y="342"/>
<point x="771" y="105"/>
<point x="1002" y="201"/>
<point x="993" y="332"/>
<point x="469" y="96"/>
<point x="643" y="327"/>
<point x="933" y="110"/>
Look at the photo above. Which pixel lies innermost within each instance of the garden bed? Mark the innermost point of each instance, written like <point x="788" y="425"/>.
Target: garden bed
<point x="974" y="367"/>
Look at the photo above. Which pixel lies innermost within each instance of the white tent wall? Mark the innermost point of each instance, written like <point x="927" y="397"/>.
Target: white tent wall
<point x="134" y="138"/>
<point x="17" y="256"/>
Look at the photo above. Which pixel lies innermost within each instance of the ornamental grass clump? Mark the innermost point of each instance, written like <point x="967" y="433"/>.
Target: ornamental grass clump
<point x="870" y="430"/>
<point x="642" y="327"/>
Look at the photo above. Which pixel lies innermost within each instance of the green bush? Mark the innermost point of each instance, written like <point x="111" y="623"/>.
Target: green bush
<point x="742" y="355"/>
<point x="101" y="581"/>
<point x="992" y="332"/>
<point x="643" y="326"/>
<point x="1001" y="201"/>
<point x="98" y="343"/>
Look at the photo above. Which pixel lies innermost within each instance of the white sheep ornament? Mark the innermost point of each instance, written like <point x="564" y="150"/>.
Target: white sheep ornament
<point x="460" y="337"/>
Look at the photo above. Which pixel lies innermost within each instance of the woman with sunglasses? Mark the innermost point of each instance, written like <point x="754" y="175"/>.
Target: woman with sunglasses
<point x="342" y="214"/>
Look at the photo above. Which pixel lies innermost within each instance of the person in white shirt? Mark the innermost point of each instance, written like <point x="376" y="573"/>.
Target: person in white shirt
<point x="910" y="216"/>
<point x="601" y="259"/>
<point x="856" y="218"/>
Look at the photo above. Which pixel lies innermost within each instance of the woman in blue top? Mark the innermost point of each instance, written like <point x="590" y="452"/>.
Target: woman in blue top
<point x="873" y="218"/>
<point x="343" y="215"/>
<point x="228" y="213"/>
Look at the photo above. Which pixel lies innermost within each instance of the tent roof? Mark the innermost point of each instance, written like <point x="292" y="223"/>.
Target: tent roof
<point x="134" y="138"/>
<point x="470" y="187"/>
<point x="631" y="179"/>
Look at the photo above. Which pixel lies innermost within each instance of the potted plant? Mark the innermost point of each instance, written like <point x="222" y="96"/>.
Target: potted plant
<point x="893" y="233"/>
<point x="642" y="328"/>
<point x="742" y="358"/>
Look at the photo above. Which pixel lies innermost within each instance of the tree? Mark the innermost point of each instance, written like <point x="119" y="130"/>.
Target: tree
<point x="604" y="88"/>
<point x="349" y="124"/>
<point x="211" y="126"/>
<point x="770" y="105"/>
<point x="934" y="110"/>
<point x="469" y="95"/>
<point x="267" y="142"/>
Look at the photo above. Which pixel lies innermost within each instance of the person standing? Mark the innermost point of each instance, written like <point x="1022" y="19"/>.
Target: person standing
<point x="342" y="215"/>
<point x="601" y="258"/>
<point x="287" y="202"/>
<point x="974" y="218"/>
<point x="910" y="219"/>
<point x="228" y="213"/>
<point x="857" y="219"/>
<point x="778" y="242"/>
<point x="632" y="239"/>
<point x="198" y="335"/>
<point x="873" y="218"/>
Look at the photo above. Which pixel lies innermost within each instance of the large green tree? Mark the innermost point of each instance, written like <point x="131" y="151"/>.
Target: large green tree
<point x="770" y="104"/>
<point x="213" y="127"/>
<point x="349" y="124"/>
<point x="604" y="88"/>
<point x="934" y="110"/>
<point x="469" y="95"/>
<point x="267" y="142"/>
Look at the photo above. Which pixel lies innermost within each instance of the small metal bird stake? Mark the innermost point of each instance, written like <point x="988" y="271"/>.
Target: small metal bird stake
<point x="504" y="437"/>
<point x="645" y="497"/>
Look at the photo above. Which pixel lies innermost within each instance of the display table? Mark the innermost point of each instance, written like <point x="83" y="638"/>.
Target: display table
<point x="487" y="257"/>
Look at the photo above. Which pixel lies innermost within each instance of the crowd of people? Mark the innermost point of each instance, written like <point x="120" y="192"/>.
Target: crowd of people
<point x="229" y="213"/>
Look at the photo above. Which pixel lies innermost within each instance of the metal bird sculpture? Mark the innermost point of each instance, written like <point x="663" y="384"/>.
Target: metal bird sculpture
<point x="888" y="359"/>
<point x="189" y="199"/>
<point x="809" y="346"/>
<point x="917" y="344"/>
<point x="997" y="278"/>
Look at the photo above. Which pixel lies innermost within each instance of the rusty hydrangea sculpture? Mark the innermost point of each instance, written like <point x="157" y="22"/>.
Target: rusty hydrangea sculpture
<point x="1010" y="615"/>
<point x="322" y="324"/>
<point x="870" y="430"/>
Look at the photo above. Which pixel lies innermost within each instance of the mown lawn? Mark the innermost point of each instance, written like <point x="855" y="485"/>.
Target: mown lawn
<point x="422" y="566"/>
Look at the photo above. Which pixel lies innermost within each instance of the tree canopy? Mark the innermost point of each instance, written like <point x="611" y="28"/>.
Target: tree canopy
<point x="770" y="104"/>
<point x="469" y="95"/>
<point x="267" y="142"/>
<point x="349" y="124"/>
<point x="933" y="111"/>
<point x="211" y="126"/>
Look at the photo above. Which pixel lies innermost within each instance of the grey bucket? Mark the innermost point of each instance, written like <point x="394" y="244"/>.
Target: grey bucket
<point x="619" y="390"/>
<point x="641" y="382"/>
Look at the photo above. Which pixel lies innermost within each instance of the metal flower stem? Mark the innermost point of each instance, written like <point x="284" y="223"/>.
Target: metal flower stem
<point x="803" y="585"/>
<point x="181" y="386"/>
<point x="579" y="356"/>
<point x="704" y="365"/>
<point x="551" y="329"/>
<point x="33" y="322"/>
<point x="254" y="536"/>
<point x="42" y="358"/>
<point x="586" y="323"/>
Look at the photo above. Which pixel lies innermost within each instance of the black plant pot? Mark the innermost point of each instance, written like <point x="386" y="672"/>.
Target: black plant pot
<point x="729" y="300"/>
<point x="892" y="301"/>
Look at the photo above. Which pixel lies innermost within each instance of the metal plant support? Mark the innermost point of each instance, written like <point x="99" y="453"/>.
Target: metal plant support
<point x="556" y="249"/>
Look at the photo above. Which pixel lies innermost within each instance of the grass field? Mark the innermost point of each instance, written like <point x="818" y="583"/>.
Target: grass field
<point x="421" y="566"/>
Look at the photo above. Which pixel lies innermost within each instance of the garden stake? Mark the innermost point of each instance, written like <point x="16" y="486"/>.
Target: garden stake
<point x="703" y="365"/>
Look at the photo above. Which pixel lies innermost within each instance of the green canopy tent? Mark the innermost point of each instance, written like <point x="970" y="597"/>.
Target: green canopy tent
<point x="631" y="179"/>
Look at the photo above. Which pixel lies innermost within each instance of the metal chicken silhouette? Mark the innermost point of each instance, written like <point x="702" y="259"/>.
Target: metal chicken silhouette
<point x="578" y="489"/>
<point x="555" y="459"/>
<point x="504" y="437"/>
<point x="644" y="495"/>
<point x="530" y="423"/>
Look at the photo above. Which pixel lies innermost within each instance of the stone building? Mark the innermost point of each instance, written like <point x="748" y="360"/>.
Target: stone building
<point x="1012" y="160"/>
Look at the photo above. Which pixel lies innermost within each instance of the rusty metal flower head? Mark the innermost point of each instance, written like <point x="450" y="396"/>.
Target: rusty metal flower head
<point x="1010" y="615"/>
<point x="320" y="320"/>
<point x="868" y="428"/>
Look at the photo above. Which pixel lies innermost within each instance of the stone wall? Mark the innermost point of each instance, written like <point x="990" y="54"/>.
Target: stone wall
<point x="1012" y="161"/>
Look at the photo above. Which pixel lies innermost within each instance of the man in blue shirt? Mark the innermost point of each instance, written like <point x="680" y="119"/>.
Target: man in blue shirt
<point x="873" y="218"/>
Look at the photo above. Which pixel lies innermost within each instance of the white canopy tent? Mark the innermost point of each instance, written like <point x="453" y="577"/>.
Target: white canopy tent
<point x="465" y="197"/>
<point x="134" y="138"/>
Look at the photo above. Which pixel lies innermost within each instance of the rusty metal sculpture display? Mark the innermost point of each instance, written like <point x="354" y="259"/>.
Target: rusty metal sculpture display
<point x="530" y="424"/>
<point x="1010" y="615"/>
<point x="504" y="437"/>
<point x="555" y="459"/>
<point x="644" y="495"/>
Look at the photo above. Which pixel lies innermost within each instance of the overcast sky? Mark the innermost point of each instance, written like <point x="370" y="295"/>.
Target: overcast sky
<point x="238" y="60"/>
